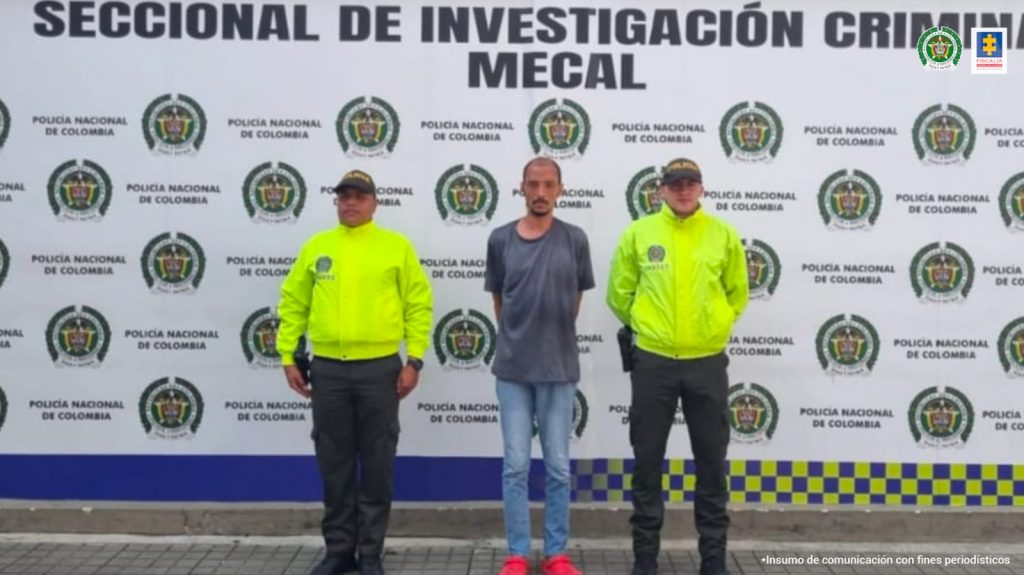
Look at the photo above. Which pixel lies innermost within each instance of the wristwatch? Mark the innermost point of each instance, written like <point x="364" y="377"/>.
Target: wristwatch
<point x="416" y="364"/>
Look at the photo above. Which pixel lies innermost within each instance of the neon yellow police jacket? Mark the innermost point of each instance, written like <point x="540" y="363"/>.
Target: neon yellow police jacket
<point x="360" y="292"/>
<point x="680" y="283"/>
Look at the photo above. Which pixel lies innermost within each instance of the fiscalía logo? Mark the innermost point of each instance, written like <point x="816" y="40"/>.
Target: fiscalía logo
<point x="849" y="200"/>
<point x="559" y="129"/>
<point x="944" y="134"/>
<point x="763" y="269"/>
<point x="642" y="195"/>
<point x="939" y="48"/>
<point x="1011" y="202"/>
<point x="79" y="191"/>
<point x="942" y="272"/>
<point x="5" y="123"/>
<point x="78" y="336"/>
<point x="1011" y="348"/>
<point x="367" y="127"/>
<point x="5" y="262"/>
<point x="847" y="345"/>
<point x="174" y="125"/>
<point x="466" y="195"/>
<point x="274" y="192"/>
<point x="465" y="339"/>
<point x="941" y="417"/>
<point x="171" y="408"/>
<point x="751" y="132"/>
<point x="989" y="51"/>
<point x="173" y="263"/>
<point x="753" y="413"/>
<point x="259" y="338"/>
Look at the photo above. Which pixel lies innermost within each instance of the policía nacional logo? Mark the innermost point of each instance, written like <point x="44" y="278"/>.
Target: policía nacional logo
<point x="274" y="192"/>
<point x="559" y="129"/>
<point x="3" y="407"/>
<point x="847" y="345"/>
<point x="5" y="123"/>
<point x="78" y="336"/>
<point x="466" y="195"/>
<point x="763" y="269"/>
<point x="642" y="195"/>
<point x="753" y="413"/>
<point x="941" y="417"/>
<point x="751" y="132"/>
<point x="943" y="135"/>
<point x="465" y="339"/>
<point x="655" y="253"/>
<point x="940" y="48"/>
<point x="1011" y="203"/>
<point x="942" y="272"/>
<point x="849" y="200"/>
<point x="259" y="338"/>
<point x="173" y="263"/>
<point x="5" y="262"/>
<point x="79" y="190"/>
<point x="174" y="125"/>
<point x="580" y="415"/>
<point x="367" y="127"/>
<point x="1011" y="348"/>
<point x="171" y="408"/>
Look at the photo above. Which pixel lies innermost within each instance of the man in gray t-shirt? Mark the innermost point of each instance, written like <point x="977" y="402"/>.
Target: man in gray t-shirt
<point x="537" y="270"/>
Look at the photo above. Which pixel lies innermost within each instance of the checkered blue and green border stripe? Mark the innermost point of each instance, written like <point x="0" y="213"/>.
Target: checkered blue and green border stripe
<point x="819" y="482"/>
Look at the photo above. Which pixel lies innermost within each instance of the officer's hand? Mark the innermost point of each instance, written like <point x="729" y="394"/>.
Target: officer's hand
<point x="407" y="380"/>
<point x="294" y="377"/>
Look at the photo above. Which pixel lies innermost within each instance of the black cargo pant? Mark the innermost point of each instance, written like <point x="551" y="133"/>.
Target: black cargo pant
<point x="355" y="432"/>
<point x="658" y="384"/>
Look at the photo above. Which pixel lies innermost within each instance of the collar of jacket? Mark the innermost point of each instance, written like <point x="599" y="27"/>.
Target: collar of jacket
<point x="672" y="218"/>
<point x="358" y="231"/>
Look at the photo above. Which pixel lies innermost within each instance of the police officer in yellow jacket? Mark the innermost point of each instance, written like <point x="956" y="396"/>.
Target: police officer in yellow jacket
<point x="360" y="291"/>
<point x="679" y="280"/>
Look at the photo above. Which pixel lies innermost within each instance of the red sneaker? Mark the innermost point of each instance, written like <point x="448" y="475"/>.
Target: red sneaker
<point x="559" y="565"/>
<point x="515" y="565"/>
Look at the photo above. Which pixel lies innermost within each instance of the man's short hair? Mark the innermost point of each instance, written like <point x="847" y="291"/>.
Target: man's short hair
<point x="543" y="160"/>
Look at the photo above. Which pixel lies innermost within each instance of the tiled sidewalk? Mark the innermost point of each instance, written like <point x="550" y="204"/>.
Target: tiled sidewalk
<point x="204" y="558"/>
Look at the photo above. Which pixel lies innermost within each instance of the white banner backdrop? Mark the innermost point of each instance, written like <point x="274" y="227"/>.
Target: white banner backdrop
<point x="154" y="190"/>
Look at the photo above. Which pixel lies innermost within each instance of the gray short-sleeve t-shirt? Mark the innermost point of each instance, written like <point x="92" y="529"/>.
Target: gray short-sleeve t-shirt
<point x="539" y="281"/>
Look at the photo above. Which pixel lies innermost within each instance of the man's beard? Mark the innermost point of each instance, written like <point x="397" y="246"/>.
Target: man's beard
<point x="545" y="209"/>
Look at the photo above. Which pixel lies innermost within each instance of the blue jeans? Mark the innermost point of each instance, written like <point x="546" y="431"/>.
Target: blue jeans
<point x="551" y="405"/>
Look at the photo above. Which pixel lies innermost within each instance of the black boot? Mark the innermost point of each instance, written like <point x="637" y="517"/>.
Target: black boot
<point x="370" y="566"/>
<point x="713" y="566"/>
<point x="336" y="564"/>
<point x="645" y="565"/>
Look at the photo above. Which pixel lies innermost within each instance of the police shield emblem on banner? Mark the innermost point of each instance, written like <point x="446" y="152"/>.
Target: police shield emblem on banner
<point x="941" y="417"/>
<point x="753" y="413"/>
<point x="939" y="48"/>
<point x="79" y="190"/>
<point x="78" y="336"/>
<point x="367" y="127"/>
<point x="944" y="134"/>
<point x="173" y="263"/>
<point x="173" y="125"/>
<point x="849" y="200"/>
<point x="847" y="345"/>
<point x="171" y="408"/>
<point x="643" y="197"/>
<point x="5" y="123"/>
